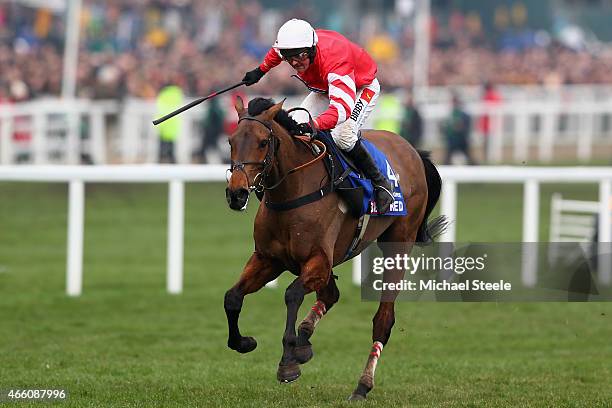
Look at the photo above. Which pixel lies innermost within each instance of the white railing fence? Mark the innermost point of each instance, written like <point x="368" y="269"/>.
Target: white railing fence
<point x="518" y="128"/>
<point x="176" y="176"/>
<point x="531" y="178"/>
<point x="78" y="176"/>
<point x="56" y="127"/>
<point x="572" y="221"/>
<point x="529" y="123"/>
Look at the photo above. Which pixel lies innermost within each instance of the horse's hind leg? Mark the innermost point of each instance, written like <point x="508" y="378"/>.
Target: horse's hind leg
<point x="383" y="322"/>
<point x="257" y="272"/>
<point x="326" y="298"/>
<point x="314" y="274"/>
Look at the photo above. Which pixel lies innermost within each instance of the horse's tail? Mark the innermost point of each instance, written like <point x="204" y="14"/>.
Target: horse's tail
<point x="429" y="231"/>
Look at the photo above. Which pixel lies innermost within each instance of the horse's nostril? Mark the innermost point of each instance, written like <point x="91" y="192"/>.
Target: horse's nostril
<point x="237" y="199"/>
<point x="242" y="194"/>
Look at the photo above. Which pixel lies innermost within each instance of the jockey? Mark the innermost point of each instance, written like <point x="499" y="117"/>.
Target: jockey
<point x="342" y="79"/>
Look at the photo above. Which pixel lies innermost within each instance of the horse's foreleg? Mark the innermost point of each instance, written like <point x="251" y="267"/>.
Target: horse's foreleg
<point x="288" y="368"/>
<point x="326" y="298"/>
<point x="257" y="272"/>
<point x="314" y="275"/>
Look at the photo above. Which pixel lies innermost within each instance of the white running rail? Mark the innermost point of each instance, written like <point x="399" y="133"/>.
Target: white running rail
<point x="176" y="176"/>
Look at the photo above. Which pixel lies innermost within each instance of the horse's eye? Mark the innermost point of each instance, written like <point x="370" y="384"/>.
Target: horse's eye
<point x="263" y="143"/>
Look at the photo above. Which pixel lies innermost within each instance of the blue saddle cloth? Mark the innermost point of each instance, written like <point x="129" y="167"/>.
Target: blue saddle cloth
<point x="358" y="181"/>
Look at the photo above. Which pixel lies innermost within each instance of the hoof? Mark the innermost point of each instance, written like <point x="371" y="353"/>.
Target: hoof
<point x="288" y="373"/>
<point x="303" y="354"/>
<point x="360" y="392"/>
<point x="244" y="345"/>
<point x="356" y="397"/>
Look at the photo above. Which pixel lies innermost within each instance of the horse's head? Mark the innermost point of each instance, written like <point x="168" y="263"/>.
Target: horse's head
<point x="253" y="146"/>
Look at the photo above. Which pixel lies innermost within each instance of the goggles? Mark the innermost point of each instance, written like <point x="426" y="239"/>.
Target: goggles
<point x="294" y="55"/>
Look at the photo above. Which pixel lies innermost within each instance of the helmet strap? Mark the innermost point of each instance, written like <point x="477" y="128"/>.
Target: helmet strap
<point x="312" y="52"/>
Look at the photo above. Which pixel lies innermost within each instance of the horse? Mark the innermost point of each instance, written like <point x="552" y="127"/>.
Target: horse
<point x="310" y="239"/>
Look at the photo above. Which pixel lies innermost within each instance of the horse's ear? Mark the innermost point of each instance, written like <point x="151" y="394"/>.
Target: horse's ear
<point x="239" y="105"/>
<point x="273" y="110"/>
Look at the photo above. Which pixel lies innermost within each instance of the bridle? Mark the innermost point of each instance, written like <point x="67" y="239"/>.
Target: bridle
<point x="266" y="164"/>
<point x="259" y="182"/>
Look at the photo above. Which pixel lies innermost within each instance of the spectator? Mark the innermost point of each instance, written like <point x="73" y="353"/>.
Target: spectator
<point x="169" y="98"/>
<point x="389" y="112"/>
<point x="412" y="123"/>
<point x="456" y="131"/>
<point x="212" y="129"/>
<point x="129" y="48"/>
<point x="490" y="100"/>
<point x="22" y="125"/>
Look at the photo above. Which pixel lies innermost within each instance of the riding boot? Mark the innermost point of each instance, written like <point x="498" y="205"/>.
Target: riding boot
<point x="383" y="188"/>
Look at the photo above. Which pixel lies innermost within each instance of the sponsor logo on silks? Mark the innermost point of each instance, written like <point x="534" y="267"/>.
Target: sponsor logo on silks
<point x="356" y="110"/>
<point x="397" y="206"/>
<point x="367" y="95"/>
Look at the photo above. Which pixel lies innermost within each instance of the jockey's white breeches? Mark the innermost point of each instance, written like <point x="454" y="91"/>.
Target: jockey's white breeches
<point x="345" y="133"/>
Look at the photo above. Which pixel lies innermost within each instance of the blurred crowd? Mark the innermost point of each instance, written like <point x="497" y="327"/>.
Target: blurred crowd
<point x="135" y="47"/>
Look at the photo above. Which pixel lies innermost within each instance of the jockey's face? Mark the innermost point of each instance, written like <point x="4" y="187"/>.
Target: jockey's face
<point x="299" y="62"/>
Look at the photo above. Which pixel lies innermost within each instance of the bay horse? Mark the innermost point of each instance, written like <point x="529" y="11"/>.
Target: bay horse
<point x="311" y="239"/>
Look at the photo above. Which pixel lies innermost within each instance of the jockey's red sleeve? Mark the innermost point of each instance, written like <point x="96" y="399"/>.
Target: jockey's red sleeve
<point x="342" y="94"/>
<point x="271" y="60"/>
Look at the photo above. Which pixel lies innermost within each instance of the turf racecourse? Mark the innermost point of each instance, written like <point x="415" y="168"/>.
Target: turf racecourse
<point x="126" y="343"/>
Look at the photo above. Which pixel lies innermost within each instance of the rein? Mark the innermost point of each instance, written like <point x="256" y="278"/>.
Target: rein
<point x="259" y="181"/>
<point x="308" y="142"/>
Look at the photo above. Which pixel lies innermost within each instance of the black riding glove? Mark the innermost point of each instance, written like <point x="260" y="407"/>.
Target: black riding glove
<point x="304" y="129"/>
<point x="252" y="77"/>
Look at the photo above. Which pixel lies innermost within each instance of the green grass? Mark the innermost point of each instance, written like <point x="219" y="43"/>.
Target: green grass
<point x="126" y="343"/>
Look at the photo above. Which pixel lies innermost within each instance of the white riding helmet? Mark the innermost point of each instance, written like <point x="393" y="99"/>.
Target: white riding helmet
<point x="296" y="34"/>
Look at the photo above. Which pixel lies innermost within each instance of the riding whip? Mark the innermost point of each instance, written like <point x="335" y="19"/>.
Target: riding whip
<point x="194" y="103"/>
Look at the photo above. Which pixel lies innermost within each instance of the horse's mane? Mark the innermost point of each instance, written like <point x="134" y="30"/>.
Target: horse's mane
<point x="258" y="105"/>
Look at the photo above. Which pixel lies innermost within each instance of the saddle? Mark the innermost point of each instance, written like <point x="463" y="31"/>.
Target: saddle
<point x="339" y="167"/>
<point x="355" y="188"/>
